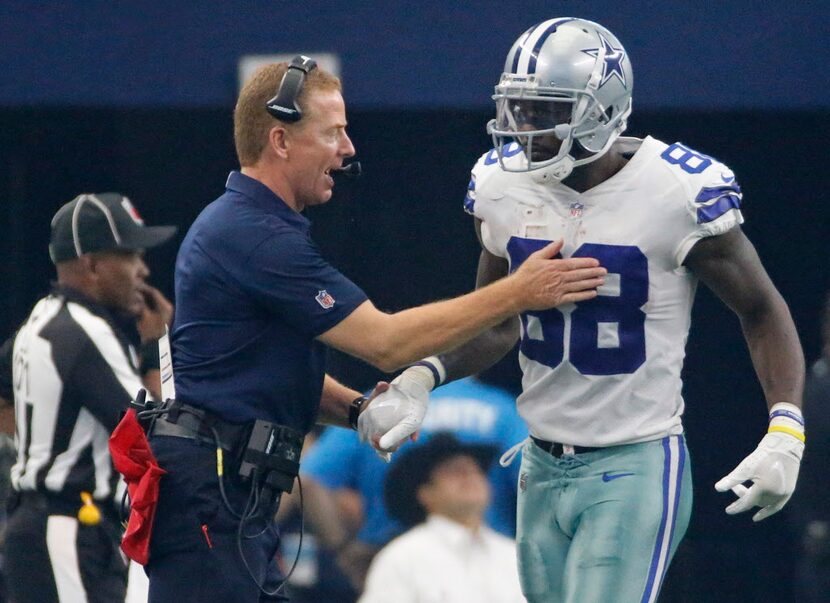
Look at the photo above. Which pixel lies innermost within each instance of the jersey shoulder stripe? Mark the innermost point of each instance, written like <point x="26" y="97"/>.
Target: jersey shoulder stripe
<point x="711" y="188"/>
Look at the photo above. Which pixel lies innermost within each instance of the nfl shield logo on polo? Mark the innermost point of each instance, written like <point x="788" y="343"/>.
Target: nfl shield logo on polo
<point x="325" y="299"/>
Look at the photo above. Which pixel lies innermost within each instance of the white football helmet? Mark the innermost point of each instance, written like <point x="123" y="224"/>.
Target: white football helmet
<point x="565" y="80"/>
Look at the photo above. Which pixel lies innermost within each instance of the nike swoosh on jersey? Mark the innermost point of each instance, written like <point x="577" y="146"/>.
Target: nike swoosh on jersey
<point x="608" y="476"/>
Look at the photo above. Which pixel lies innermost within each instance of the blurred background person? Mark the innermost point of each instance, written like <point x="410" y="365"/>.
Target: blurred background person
<point x="474" y="411"/>
<point x="449" y="555"/>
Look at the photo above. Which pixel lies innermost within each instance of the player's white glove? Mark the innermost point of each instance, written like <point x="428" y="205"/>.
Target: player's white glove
<point x="772" y="467"/>
<point x="397" y="413"/>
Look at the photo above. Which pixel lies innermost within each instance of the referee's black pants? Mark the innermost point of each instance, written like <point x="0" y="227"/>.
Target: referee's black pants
<point x="54" y="557"/>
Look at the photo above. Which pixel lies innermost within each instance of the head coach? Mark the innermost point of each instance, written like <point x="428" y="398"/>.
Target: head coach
<point x="256" y="306"/>
<point x="72" y="369"/>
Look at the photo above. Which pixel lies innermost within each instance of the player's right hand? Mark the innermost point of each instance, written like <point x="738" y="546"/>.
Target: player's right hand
<point x="544" y="282"/>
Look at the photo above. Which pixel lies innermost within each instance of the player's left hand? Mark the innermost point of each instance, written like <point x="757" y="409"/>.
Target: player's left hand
<point x="396" y="414"/>
<point x="773" y="469"/>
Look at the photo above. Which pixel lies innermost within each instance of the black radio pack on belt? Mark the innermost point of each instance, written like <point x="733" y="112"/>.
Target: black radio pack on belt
<point x="273" y="454"/>
<point x="270" y="457"/>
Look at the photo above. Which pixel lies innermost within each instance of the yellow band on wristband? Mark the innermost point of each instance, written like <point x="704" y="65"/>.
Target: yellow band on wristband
<point x="793" y="432"/>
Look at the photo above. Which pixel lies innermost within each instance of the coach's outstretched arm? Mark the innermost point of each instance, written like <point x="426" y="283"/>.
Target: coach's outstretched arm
<point x="389" y="341"/>
<point x="729" y="265"/>
<point x="398" y="412"/>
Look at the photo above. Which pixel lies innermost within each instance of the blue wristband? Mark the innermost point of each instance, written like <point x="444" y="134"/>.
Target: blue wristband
<point x="788" y="414"/>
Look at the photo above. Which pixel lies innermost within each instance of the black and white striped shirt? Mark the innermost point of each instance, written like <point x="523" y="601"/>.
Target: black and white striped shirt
<point x="75" y="368"/>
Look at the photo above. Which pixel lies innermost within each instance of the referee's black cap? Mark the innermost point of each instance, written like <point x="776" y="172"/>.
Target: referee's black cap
<point x="100" y="222"/>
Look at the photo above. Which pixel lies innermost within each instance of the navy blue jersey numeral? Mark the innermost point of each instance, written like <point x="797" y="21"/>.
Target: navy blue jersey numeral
<point x="688" y="160"/>
<point x="549" y="349"/>
<point x="622" y="347"/>
<point x="621" y="313"/>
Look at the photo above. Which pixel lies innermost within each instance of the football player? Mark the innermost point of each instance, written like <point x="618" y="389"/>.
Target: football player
<point x="605" y="487"/>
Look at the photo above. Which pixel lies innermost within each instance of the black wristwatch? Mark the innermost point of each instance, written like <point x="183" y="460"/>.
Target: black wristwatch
<point x="354" y="411"/>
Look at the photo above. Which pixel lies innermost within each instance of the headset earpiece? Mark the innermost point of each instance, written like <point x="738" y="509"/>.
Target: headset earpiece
<point x="284" y="104"/>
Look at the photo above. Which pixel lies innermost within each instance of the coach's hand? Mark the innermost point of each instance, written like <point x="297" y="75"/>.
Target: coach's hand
<point x="773" y="469"/>
<point x="396" y="414"/>
<point x="545" y="282"/>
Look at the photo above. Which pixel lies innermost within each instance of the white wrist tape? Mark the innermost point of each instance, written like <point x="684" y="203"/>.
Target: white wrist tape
<point x="430" y="372"/>
<point x="786" y="418"/>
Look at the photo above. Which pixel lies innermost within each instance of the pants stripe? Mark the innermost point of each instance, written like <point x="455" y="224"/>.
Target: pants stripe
<point x="681" y="462"/>
<point x="61" y="538"/>
<point x="672" y="475"/>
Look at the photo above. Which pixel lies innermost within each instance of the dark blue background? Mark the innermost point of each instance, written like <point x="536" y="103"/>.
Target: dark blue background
<point x="400" y="53"/>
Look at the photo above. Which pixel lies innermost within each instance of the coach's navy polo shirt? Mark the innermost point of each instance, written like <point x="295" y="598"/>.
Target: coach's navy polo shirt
<point x="252" y="293"/>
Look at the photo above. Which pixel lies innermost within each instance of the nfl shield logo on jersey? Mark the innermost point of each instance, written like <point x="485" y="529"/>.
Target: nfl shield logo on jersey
<point x="325" y="299"/>
<point x="576" y="209"/>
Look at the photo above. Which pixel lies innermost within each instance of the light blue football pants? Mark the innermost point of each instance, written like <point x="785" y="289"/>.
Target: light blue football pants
<point x="601" y="526"/>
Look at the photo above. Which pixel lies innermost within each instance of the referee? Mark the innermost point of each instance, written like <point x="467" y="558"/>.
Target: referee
<point x="73" y="366"/>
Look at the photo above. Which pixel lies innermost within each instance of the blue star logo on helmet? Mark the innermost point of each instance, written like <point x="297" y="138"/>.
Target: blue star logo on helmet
<point x="613" y="58"/>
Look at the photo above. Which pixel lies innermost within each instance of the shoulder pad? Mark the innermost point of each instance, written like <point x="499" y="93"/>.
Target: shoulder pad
<point x="491" y="157"/>
<point x="486" y="168"/>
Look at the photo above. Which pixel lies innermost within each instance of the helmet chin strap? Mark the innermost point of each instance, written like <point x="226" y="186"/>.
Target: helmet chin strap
<point x="557" y="171"/>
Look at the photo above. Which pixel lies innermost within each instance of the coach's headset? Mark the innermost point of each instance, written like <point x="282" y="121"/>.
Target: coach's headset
<point x="284" y="106"/>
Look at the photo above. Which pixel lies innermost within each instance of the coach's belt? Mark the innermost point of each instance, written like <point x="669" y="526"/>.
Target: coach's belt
<point x="192" y="423"/>
<point x="556" y="449"/>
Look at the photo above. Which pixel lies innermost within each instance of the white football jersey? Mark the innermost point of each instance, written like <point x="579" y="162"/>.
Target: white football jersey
<point x="607" y="371"/>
